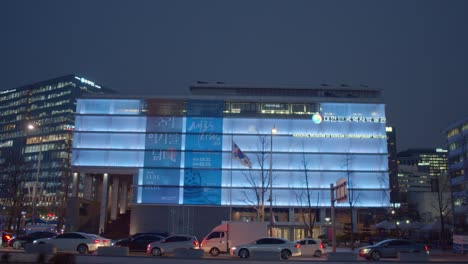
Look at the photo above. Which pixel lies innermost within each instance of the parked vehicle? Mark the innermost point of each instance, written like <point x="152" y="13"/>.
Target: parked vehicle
<point x="6" y="236"/>
<point x="139" y="242"/>
<point x="229" y="234"/>
<point x="31" y="228"/>
<point x="311" y="247"/>
<point x="18" y="242"/>
<point x="169" y="244"/>
<point x="390" y="248"/>
<point x="75" y="241"/>
<point x="284" y="247"/>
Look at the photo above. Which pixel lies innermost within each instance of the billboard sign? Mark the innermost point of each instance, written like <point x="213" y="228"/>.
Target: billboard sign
<point x="341" y="191"/>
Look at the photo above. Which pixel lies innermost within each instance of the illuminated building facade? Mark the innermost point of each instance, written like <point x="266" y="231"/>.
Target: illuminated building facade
<point x="39" y="156"/>
<point x="189" y="163"/>
<point x="457" y="138"/>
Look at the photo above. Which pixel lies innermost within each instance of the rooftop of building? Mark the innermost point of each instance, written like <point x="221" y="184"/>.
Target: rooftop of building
<point x="266" y="93"/>
<point x="420" y="151"/>
<point x="58" y="79"/>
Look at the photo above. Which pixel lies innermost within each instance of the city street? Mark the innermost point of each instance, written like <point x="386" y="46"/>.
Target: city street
<point x="141" y="257"/>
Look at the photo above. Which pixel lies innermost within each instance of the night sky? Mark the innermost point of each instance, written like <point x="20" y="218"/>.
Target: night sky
<point x="415" y="51"/>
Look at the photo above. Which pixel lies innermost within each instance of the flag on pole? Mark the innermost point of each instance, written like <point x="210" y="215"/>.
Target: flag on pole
<point x="240" y="156"/>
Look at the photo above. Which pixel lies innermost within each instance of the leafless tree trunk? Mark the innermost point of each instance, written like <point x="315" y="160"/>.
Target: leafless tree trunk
<point x="258" y="181"/>
<point x="443" y="204"/>
<point x="12" y="186"/>
<point x="308" y="214"/>
<point x="352" y="197"/>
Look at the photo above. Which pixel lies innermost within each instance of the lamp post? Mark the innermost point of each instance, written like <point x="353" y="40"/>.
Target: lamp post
<point x="38" y="172"/>
<point x="273" y="131"/>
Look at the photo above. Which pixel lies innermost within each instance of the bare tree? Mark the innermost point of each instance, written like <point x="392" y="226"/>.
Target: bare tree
<point x="308" y="213"/>
<point x="66" y="181"/>
<point x="443" y="203"/>
<point x="353" y="198"/>
<point x="12" y="186"/>
<point x="258" y="181"/>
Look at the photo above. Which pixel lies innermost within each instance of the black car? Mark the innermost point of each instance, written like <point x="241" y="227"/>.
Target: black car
<point x="138" y="242"/>
<point x="390" y="248"/>
<point x="19" y="241"/>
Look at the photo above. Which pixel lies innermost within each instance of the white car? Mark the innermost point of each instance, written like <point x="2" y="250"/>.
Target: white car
<point x="311" y="247"/>
<point x="75" y="241"/>
<point x="171" y="243"/>
<point x="283" y="247"/>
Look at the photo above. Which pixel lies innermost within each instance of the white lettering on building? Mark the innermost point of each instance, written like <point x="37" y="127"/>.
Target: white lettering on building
<point x="88" y="82"/>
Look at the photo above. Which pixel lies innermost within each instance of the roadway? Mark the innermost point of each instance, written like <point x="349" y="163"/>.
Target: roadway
<point x="437" y="256"/>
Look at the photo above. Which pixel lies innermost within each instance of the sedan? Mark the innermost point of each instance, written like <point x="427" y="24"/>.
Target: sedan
<point x="390" y="248"/>
<point x="284" y="247"/>
<point x="138" y="243"/>
<point x="18" y="242"/>
<point x="311" y="247"/>
<point x="170" y="244"/>
<point x="75" y="241"/>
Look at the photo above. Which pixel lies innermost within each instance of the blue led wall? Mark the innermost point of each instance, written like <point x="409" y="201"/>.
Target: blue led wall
<point x="187" y="158"/>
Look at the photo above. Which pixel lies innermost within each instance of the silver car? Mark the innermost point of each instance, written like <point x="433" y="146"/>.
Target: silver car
<point x="284" y="247"/>
<point x="75" y="241"/>
<point x="171" y="243"/>
<point x="311" y="247"/>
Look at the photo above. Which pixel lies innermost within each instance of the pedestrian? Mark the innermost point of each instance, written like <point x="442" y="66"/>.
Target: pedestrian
<point x="101" y="233"/>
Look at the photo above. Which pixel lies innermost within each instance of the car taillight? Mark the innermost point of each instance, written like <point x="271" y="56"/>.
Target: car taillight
<point x="297" y="245"/>
<point x="97" y="241"/>
<point x="321" y="245"/>
<point x="105" y="241"/>
<point x="195" y="243"/>
<point x="426" y="248"/>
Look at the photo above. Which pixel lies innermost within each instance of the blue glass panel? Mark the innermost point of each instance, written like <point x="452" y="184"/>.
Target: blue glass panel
<point x="109" y="106"/>
<point x="296" y="179"/>
<point x="163" y="141"/>
<point x="291" y="198"/>
<point x="169" y="158"/>
<point x="159" y="194"/>
<point x="205" y="134"/>
<point x="106" y="158"/>
<point x="108" y="141"/>
<point x="160" y="186"/>
<point x="164" y="124"/>
<point x="110" y="124"/>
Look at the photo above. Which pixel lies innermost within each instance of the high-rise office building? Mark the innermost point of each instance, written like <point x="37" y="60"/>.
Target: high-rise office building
<point x="457" y="144"/>
<point x="420" y="172"/>
<point x="393" y="165"/>
<point x="228" y="152"/>
<point x="36" y="129"/>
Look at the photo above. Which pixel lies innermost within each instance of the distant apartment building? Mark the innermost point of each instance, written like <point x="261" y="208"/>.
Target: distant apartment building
<point x="457" y="139"/>
<point x="36" y="130"/>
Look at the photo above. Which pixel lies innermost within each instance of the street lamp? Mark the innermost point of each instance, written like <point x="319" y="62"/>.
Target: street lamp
<point x="34" y="194"/>
<point x="273" y="131"/>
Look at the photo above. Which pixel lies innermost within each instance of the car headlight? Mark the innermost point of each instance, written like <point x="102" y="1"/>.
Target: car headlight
<point x="233" y="249"/>
<point x="365" y="250"/>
